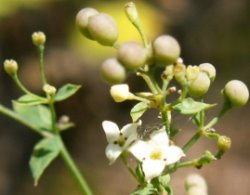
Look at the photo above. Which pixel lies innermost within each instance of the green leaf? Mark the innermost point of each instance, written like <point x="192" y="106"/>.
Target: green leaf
<point x="164" y="180"/>
<point x="30" y="99"/>
<point x="189" y="106"/>
<point x="138" y="110"/>
<point x="139" y="172"/>
<point x="145" y="190"/>
<point x="44" y="152"/>
<point x="38" y="116"/>
<point x="66" y="91"/>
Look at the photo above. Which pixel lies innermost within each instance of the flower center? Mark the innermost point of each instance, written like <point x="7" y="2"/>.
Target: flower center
<point x="156" y="154"/>
<point x="121" y="140"/>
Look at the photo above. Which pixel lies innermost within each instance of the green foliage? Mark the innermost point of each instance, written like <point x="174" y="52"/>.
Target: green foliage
<point x="38" y="116"/>
<point x="138" y="110"/>
<point x="189" y="106"/>
<point x="44" y="152"/>
<point x="66" y="91"/>
<point x="31" y="100"/>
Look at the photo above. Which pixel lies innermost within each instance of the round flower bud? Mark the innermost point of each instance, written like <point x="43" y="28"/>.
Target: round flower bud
<point x="132" y="55"/>
<point x="82" y="20"/>
<point x="103" y="28"/>
<point x="10" y="66"/>
<point x="112" y="71"/>
<point x="166" y="49"/>
<point x="224" y="143"/>
<point x="198" y="87"/>
<point x="209" y="69"/>
<point x="120" y="92"/>
<point x="49" y="89"/>
<point x="38" y="38"/>
<point x="236" y="92"/>
<point x="192" y="72"/>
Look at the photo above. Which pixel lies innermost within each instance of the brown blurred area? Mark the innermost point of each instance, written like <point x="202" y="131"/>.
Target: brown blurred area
<point x="215" y="31"/>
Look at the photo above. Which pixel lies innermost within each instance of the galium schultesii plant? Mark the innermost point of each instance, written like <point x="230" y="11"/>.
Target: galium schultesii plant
<point x="157" y="154"/>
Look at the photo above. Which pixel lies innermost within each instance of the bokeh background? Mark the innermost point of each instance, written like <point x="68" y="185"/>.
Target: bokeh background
<point x="215" y="31"/>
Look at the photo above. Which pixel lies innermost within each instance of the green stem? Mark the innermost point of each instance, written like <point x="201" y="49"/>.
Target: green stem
<point x="21" y="86"/>
<point x="74" y="169"/>
<point x="41" y="63"/>
<point x="152" y="85"/>
<point x="224" y="109"/>
<point x="192" y="141"/>
<point x="125" y="162"/>
<point x="53" y="114"/>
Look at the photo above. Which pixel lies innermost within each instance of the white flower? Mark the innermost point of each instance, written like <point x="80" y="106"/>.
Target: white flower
<point x="155" y="153"/>
<point x="120" y="92"/>
<point x="118" y="140"/>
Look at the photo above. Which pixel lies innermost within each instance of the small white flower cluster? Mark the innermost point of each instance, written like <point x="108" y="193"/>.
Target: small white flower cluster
<point x="154" y="153"/>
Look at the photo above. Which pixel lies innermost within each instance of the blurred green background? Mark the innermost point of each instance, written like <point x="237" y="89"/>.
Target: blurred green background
<point x="215" y="31"/>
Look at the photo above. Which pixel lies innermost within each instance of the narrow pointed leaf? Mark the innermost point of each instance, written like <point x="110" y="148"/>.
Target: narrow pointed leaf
<point x="29" y="99"/>
<point x="189" y="106"/>
<point x="138" y="110"/>
<point x="43" y="154"/>
<point x="66" y="91"/>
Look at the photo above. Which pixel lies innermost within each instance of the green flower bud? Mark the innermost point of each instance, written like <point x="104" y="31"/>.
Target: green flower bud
<point x="103" y="28"/>
<point x="192" y="72"/>
<point x="120" y="92"/>
<point x="168" y="73"/>
<point x="132" y="55"/>
<point x="10" y="66"/>
<point x="180" y="74"/>
<point x="112" y="71"/>
<point x="224" y="143"/>
<point x="49" y="89"/>
<point x="166" y="49"/>
<point x="199" y="87"/>
<point x="131" y="12"/>
<point x="38" y="38"/>
<point x="236" y="92"/>
<point x="82" y="20"/>
<point x="209" y="69"/>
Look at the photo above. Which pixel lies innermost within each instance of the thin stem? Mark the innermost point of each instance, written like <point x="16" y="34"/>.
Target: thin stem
<point x="53" y="114"/>
<point x="125" y="162"/>
<point x="224" y="109"/>
<point x="74" y="169"/>
<point x="152" y="85"/>
<point x="192" y="141"/>
<point x="41" y="63"/>
<point x="21" y="86"/>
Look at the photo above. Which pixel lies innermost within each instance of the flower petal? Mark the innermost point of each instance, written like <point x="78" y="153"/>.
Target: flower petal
<point x="112" y="152"/>
<point x="140" y="149"/>
<point x="130" y="132"/>
<point x="152" y="168"/>
<point x="159" y="137"/>
<point x="111" y="130"/>
<point x="173" y="154"/>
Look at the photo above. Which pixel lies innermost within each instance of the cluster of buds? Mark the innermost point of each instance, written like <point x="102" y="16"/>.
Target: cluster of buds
<point x="157" y="151"/>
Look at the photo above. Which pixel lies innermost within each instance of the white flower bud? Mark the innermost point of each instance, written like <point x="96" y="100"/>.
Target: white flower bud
<point x="49" y="89"/>
<point x="236" y="92"/>
<point x="199" y="87"/>
<point x="120" y="92"/>
<point x="209" y="69"/>
<point x="196" y="185"/>
<point x="192" y="72"/>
